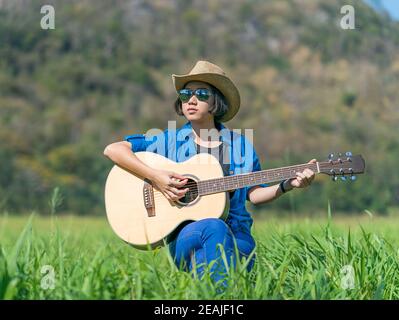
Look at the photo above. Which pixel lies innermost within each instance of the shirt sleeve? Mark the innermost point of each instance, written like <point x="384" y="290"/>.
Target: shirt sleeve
<point x="139" y="142"/>
<point x="255" y="167"/>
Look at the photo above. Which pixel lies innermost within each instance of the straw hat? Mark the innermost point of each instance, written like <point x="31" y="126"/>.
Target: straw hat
<point x="210" y="73"/>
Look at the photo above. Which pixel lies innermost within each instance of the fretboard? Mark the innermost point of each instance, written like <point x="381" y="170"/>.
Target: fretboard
<point x="238" y="181"/>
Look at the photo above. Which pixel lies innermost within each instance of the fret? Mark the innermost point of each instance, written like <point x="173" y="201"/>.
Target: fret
<point x="251" y="179"/>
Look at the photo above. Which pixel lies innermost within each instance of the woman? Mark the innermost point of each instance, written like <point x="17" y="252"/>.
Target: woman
<point x="206" y="98"/>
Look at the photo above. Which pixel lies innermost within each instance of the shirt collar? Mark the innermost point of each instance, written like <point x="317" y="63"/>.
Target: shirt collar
<point x="218" y="126"/>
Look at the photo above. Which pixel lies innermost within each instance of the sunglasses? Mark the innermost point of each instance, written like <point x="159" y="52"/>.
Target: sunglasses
<point x="201" y="94"/>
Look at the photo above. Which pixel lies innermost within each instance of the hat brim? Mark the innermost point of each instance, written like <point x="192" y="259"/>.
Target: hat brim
<point x="222" y="83"/>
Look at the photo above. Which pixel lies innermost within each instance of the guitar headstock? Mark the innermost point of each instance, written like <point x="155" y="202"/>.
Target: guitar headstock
<point x="345" y="166"/>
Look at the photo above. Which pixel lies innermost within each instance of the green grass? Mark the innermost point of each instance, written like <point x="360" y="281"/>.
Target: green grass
<point x="297" y="258"/>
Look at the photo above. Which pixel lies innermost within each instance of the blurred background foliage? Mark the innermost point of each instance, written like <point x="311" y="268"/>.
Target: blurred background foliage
<point x="308" y="88"/>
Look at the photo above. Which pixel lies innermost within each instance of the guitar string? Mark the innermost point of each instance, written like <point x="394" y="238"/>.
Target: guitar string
<point x="243" y="178"/>
<point x="208" y="185"/>
<point x="272" y="173"/>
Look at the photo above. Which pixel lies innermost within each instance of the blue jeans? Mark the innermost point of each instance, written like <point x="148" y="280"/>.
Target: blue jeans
<point x="197" y="243"/>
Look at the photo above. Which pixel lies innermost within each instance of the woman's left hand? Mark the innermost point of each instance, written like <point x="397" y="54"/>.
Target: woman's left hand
<point x="303" y="179"/>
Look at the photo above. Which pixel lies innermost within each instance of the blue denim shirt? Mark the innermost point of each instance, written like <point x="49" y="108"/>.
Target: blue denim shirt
<point x="178" y="145"/>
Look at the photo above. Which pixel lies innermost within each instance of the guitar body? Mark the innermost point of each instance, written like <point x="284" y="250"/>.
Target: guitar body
<point x="143" y="217"/>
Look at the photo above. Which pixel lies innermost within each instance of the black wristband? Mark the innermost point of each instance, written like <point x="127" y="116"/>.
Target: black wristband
<point x="282" y="186"/>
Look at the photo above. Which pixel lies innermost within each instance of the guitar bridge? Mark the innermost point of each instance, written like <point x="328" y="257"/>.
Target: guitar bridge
<point x="148" y="196"/>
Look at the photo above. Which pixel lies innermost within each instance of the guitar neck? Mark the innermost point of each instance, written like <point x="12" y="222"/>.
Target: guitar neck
<point x="238" y="181"/>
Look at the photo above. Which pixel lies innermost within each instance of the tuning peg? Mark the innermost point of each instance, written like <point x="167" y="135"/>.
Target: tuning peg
<point x="331" y="156"/>
<point x="348" y="156"/>
<point x="334" y="178"/>
<point x="353" y="178"/>
<point x="343" y="178"/>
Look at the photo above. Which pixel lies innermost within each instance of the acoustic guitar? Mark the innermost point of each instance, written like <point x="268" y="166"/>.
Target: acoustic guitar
<point x="143" y="217"/>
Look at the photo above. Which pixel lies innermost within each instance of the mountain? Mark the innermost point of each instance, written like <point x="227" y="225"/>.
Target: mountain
<point x="308" y="88"/>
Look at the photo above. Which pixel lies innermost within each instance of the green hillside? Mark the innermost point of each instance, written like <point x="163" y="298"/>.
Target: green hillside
<point x="308" y="88"/>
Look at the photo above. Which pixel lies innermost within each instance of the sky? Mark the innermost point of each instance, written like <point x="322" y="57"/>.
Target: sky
<point x="391" y="6"/>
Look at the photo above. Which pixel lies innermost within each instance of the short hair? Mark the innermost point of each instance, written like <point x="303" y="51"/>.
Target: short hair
<point x="218" y="109"/>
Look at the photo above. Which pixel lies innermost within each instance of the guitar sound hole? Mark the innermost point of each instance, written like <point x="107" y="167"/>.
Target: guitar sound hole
<point x="191" y="194"/>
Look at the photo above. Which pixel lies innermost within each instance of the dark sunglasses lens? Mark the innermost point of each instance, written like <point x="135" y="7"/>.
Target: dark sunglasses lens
<point x="202" y="94"/>
<point x="185" y="95"/>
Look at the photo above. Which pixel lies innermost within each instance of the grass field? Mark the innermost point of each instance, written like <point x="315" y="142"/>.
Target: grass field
<point x="70" y="257"/>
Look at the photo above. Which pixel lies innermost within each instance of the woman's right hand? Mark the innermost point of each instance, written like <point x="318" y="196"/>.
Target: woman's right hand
<point x="168" y="183"/>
